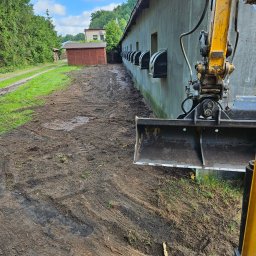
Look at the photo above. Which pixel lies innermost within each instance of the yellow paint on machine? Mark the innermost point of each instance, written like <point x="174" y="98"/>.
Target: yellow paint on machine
<point x="249" y="245"/>
<point x="219" y="36"/>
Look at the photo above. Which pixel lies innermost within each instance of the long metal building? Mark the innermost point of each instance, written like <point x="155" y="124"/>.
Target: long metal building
<point x="154" y="29"/>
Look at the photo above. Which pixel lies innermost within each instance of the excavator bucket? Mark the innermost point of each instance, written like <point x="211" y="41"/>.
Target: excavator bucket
<point x="229" y="145"/>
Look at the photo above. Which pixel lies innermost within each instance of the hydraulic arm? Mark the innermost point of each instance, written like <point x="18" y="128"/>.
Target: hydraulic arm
<point x="215" y="49"/>
<point x="207" y="136"/>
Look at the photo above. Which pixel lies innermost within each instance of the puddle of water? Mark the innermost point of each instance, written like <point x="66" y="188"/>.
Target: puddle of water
<point x="47" y="215"/>
<point x="59" y="125"/>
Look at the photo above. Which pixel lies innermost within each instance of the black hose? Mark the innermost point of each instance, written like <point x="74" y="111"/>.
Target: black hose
<point x="190" y="32"/>
<point x="182" y="105"/>
<point x="236" y="29"/>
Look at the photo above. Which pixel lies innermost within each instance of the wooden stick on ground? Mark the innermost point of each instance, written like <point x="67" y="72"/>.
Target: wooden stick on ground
<point x="165" y="249"/>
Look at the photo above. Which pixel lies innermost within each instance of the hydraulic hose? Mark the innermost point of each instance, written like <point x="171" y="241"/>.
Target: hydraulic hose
<point x="183" y="103"/>
<point x="190" y="32"/>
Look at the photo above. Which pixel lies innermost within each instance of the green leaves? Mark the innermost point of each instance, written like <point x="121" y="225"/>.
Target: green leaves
<point x="77" y="38"/>
<point x="101" y="18"/>
<point x="24" y="37"/>
<point x="113" y="34"/>
<point x="113" y="21"/>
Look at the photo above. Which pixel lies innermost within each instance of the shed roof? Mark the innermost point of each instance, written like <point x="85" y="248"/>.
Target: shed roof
<point x="84" y="45"/>
<point x="94" y="29"/>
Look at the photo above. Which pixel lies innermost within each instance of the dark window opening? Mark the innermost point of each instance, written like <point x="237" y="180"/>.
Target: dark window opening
<point x="154" y="43"/>
<point x="137" y="46"/>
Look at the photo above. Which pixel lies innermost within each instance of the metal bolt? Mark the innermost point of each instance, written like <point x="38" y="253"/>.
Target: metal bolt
<point x="210" y="104"/>
<point x="207" y="112"/>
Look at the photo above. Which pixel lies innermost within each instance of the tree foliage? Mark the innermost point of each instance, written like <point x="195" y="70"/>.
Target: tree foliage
<point x="113" y="34"/>
<point x="101" y="18"/>
<point x="25" y="38"/>
<point x="79" y="37"/>
<point x="117" y="18"/>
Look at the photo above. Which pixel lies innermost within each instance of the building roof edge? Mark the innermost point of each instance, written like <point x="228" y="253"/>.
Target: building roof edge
<point x="140" y="5"/>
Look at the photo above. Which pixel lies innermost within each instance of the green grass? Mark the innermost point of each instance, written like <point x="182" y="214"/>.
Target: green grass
<point x="17" y="78"/>
<point x="233" y="188"/>
<point x="17" y="107"/>
<point x="184" y="189"/>
<point x="11" y="71"/>
<point x="6" y="72"/>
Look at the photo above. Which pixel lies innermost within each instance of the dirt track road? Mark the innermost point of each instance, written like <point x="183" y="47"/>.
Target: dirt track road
<point x="68" y="185"/>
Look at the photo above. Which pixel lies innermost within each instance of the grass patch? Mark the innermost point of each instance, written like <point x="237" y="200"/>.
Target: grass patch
<point x="232" y="188"/>
<point x="183" y="194"/>
<point x="12" y="71"/>
<point x="17" y="78"/>
<point x="16" y="107"/>
<point x="180" y="188"/>
<point x="200" y="210"/>
<point x="86" y="174"/>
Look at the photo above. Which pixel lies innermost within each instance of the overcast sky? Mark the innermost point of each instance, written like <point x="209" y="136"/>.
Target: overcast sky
<point x="72" y="16"/>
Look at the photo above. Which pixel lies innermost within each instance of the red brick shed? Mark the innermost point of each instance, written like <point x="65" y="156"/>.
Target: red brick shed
<point x="80" y="54"/>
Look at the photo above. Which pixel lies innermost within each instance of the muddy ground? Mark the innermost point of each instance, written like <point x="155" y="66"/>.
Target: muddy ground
<point x="68" y="185"/>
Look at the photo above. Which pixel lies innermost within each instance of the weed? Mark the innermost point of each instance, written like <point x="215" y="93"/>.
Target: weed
<point x="232" y="226"/>
<point x="86" y="174"/>
<point x="110" y="204"/>
<point x="206" y="218"/>
<point x="194" y="206"/>
<point x="62" y="158"/>
<point x="207" y="194"/>
<point x="131" y="237"/>
<point x="147" y="240"/>
<point x="224" y="187"/>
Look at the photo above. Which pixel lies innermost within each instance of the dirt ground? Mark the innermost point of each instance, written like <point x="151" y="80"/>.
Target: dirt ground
<point x="68" y="185"/>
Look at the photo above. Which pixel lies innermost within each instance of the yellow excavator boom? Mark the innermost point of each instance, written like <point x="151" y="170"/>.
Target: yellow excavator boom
<point x="219" y="37"/>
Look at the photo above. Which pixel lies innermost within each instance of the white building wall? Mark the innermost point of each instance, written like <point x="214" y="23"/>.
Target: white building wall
<point x="90" y="34"/>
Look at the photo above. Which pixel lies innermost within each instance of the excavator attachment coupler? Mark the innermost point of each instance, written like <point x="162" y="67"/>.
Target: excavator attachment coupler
<point x="228" y="145"/>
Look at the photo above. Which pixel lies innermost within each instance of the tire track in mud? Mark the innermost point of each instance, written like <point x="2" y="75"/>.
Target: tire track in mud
<point x="50" y="214"/>
<point x="77" y="192"/>
<point x="2" y="78"/>
<point x="14" y="86"/>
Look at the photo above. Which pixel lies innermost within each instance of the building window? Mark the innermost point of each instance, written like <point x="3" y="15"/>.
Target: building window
<point x="102" y="37"/>
<point x="154" y="43"/>
<point x="95" y="37"/>
<point x="137" y="46"/>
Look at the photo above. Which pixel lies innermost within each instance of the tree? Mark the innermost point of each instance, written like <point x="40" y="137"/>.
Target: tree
<point x="113" y="34"/>
<point x="25" y="38"/>
<point x="79" y="37"/>
<point x="122" y="24"/>
<point x="100" y="19"/>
